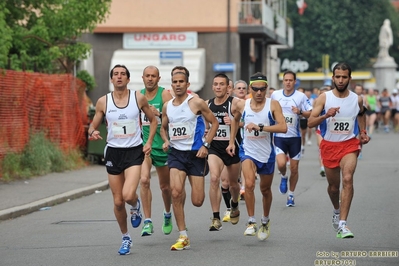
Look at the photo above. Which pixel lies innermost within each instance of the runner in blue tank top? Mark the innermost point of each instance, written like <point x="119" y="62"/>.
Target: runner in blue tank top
<point x="262" y="117"/>
<point x="183" y="131"/>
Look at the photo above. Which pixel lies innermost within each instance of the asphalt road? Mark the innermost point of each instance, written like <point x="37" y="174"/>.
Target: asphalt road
<point x="84" y="231"/>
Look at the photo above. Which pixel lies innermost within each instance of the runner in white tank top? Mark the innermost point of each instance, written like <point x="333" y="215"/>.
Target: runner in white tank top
<point x="262" y="117"/>
<point x="341" y="115"/>
<point x="123" y="123"/>
<point x="125" y="153"/>
<point x="293" y="103"/>
<point x="343" y="126"/>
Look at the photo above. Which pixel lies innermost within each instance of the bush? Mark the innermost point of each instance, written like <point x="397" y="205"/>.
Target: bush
<point x="87" y="79"/>
<point x="40" y="157"/>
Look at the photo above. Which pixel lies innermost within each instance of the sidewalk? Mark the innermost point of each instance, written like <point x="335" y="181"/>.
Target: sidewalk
<point x="23" y="197"/>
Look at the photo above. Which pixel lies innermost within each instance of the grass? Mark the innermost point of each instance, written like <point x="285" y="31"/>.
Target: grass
<point x="39" y="157"/>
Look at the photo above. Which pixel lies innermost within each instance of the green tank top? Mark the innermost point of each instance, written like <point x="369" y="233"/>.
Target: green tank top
<point x="158" y="104"/>
<point x="372" y="101"/>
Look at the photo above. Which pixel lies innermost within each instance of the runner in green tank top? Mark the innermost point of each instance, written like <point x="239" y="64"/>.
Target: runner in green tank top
<point x="371" y="115"/>
<point x="156" y="97"/>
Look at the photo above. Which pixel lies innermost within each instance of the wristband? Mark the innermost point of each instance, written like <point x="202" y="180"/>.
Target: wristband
<point x="363" y="131"/>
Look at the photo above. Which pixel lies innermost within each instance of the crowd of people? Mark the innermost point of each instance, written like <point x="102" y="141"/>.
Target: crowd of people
<point x="236" y="137"/>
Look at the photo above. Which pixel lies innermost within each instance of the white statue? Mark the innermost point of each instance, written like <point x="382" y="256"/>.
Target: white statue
<point x="385" y="39"/>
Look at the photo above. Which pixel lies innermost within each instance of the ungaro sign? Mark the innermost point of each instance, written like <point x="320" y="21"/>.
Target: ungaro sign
<point x="161" y="40"/>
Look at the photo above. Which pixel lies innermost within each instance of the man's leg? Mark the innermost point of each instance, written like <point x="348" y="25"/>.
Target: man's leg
<point x="116" y="186"/>
<point x="348" y="167"/>
<point x="267" y="196"/>
<point x="215" y="169"/>
<point x="164" y="184"/>
<point x="233" y="172"/>
<point x="230" y="173"/>
<point x="177" y="187"/>
<point x="249" y="170"/>
<point x="145" y="189"/>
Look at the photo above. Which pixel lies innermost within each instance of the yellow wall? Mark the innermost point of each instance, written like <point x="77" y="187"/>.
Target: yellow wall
<point x="174" y="15"/>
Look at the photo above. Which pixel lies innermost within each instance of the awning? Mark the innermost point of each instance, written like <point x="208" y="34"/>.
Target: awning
<point x="165" y="60"/>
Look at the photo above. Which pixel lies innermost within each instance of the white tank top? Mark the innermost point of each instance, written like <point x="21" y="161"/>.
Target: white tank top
<point x="300" y="101"/>
<point x="186" y="129"/>
<point x="123" y="123"/>
<point x="343" y="126"/>
<point x="258" y="145"/>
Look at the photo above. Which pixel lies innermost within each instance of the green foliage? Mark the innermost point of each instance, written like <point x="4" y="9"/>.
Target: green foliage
<point x="86" y="78"/>
<point x="346" y="30"/>
<point x="43" y="35"/>
<point x="39" y="157"/>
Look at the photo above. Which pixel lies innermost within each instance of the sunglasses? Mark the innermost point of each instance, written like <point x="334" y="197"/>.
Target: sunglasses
<point x="256" y="89"/>
<point x="241" y="88"/>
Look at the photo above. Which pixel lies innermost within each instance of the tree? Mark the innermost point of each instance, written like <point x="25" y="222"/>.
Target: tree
<point x="347" y="30"/>
<point x="43" y="35"/>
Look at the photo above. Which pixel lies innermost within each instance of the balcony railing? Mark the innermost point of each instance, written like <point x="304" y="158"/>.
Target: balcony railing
<point x="270" y="14"/>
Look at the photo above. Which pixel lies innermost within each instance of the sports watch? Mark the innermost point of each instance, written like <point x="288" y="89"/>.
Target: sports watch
<point x="261" y="127"/>
<point x="206" y="145"/>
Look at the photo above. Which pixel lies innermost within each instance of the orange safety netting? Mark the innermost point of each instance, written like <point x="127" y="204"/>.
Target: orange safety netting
<point x="35" y="102"/>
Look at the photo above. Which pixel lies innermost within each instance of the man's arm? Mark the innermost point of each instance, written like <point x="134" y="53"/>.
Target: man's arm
<point x="145" y="107"/>
<point x="94" y="134"/>
<point x="361" y="120"/>
<point x="207" y="114"/>
<point x="315" y="119"/>
<point x="281" y="125"/>
<point x="236" y="111"/>
<point x="164" y="128"/>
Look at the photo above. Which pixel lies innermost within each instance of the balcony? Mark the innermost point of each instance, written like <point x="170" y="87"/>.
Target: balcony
<point x="266" y="20"/>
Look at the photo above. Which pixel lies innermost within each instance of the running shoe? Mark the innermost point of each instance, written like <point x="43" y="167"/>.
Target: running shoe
<point x="264" y="231"/>
<point x="167" y="225"/>
<point x="283" y="185"/>
<point x="226" y="217"/>
<point x="181" y="244"/>
<point x="242" y="194"/>
<point x="136" y="215"/>
<point x="290" y="201"/>
<point x="216" y="225"/>
<point x="344" y="232"/>
<point x="335" y="221"/>
<point x="148" y="229"/>
<point x="251" y="230"/>
<point x="322" y="172"/>
<point x="126" y="245"/>
<point x="234" y="214"/>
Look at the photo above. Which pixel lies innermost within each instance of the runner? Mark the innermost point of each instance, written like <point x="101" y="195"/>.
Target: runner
<point x="340" y="114"/>
<point x="262" y="117"/>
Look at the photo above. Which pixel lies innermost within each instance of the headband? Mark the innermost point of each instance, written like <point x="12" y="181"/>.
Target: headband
<point x="252" y="81"/>
<point x="258" y="77"/>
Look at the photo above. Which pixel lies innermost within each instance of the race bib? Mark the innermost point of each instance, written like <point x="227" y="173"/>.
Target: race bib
<point x="180" y="131"/>
<point x="341" y="125"/>
<point x="256" y="134"/>
<point x="146" y="122"/>
<point x="223" y="133"/>
<point x="124" y="129"/>
<point x="290" y="119"/>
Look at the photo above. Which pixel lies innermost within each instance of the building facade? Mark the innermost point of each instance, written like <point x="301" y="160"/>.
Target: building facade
<point x="208" y="37"/>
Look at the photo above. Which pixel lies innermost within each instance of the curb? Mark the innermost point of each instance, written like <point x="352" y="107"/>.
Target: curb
<point x="17" y="211"/>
